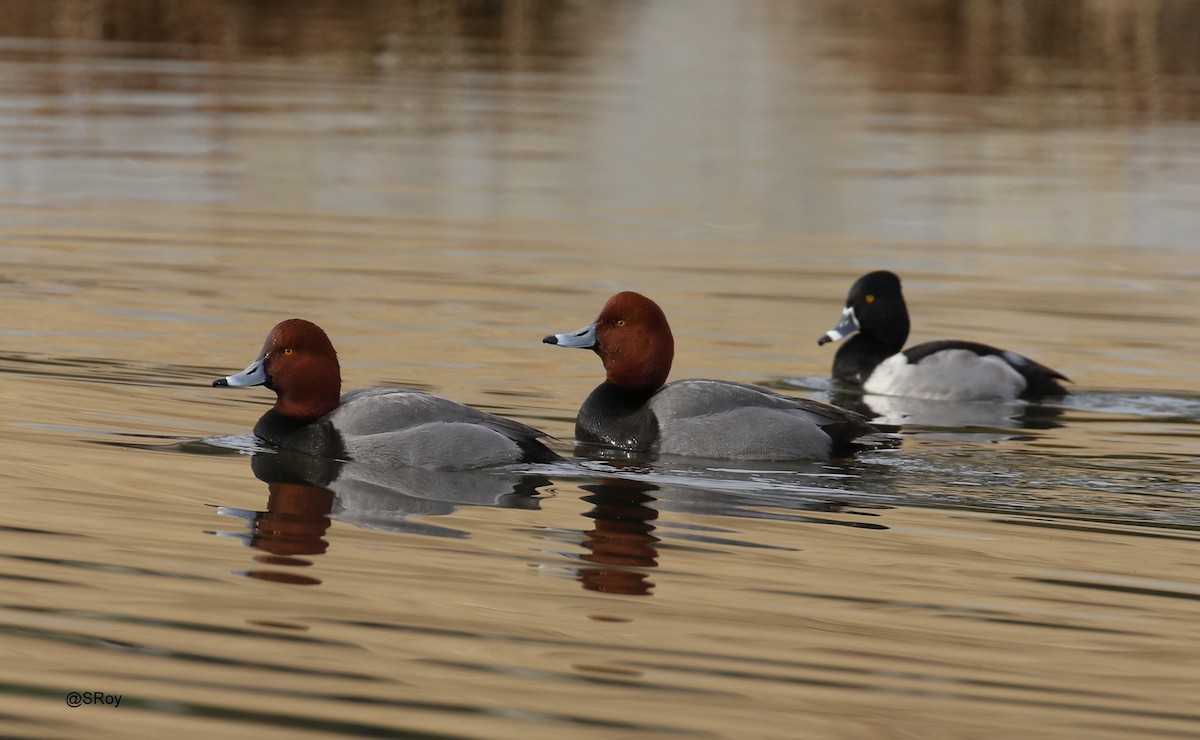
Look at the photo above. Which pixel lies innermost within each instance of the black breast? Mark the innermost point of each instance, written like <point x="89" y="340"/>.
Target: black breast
<point x="616" y="417"/>
<point x="857" y="358"/>
<point x="317" y="438"/>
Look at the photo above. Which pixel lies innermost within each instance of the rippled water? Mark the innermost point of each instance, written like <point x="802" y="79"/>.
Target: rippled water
<point x="440" y="185"/>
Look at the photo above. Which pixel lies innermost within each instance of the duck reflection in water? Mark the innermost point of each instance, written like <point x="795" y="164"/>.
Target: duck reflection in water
<point x="622" y="544"/>
<point x="307" y="493"/>
<point x="995" y="420"/>
<point x="621" y="541"/>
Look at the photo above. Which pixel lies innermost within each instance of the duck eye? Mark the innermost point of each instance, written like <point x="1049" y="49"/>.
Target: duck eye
<point x="620" y="322"/>
<point x="870" y="299"/>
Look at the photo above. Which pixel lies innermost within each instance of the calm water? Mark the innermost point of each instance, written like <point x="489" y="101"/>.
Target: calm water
<point x="442" y="185"/>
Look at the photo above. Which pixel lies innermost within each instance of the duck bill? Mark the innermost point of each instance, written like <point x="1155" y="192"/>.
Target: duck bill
<point x="585" y="338"/>
<point x="254" y="374"/>
<point x="847" y="326"/>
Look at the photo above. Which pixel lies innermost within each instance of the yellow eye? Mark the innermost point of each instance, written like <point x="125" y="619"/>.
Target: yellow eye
<point x="870" y="299"/>
<point x="287" y="350"/>
<point x="620" y="322"/>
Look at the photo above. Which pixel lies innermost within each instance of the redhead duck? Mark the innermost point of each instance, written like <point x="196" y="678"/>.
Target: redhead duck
<point x="389" y="426"/>
<point x="633" y="410"/>
<point x="947" y="370"/>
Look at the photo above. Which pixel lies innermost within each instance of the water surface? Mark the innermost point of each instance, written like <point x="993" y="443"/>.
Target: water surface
<point x="440" y="186"/>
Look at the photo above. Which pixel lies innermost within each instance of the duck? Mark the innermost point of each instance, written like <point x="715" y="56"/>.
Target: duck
<point x="378" y="426"/>
<point x="874" y="358"/>
<point x="637" y="411"/>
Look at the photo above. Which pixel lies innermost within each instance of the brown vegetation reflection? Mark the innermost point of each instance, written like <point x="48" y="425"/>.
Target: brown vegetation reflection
<point x="1124" y="61"/>
<point x="1098" y="62"/>
<point x="377" y="32"/>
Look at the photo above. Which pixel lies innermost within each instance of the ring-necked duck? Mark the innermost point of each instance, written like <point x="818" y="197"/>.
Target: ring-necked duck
<point x="874" y="358"/>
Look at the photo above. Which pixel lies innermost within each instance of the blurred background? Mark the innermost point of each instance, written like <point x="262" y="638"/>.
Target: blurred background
<point x="439" y="185"/>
